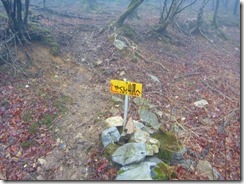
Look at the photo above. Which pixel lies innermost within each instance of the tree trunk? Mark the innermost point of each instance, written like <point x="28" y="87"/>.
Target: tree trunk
<point x="15" y="20"/>
<point x="215" y="23"/>
<point x="236" y="7"/>
<point x="132" y="6"/>
<point x="165" y="20"/>
<point x="200" y="20"/>
<point x="27" y="4"/>
<point x="44" y="4"/>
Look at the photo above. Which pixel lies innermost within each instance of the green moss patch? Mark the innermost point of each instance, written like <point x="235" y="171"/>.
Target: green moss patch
<point x="163" y="171"/>
<point x="168" y="145"/>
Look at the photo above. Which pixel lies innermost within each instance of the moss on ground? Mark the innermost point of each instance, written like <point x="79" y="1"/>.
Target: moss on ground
<point x="163" y="171"/>
<point x="168" y="145"/>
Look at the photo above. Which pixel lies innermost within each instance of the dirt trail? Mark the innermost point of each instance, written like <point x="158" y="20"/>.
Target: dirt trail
<point x="78" y="130"/>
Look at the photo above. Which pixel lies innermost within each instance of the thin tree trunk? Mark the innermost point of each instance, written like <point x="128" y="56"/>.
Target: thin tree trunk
<point x="236" y="7"/>
<point x="27" y="3"/>
<point x="215" y="23"/>
<point x="132" y="6"/>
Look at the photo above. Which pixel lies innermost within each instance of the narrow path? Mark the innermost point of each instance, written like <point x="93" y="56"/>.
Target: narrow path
<point x="78" y="130"/>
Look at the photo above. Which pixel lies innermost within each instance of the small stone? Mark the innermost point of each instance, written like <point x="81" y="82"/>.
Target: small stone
<point x="154" y="78"/>
<point x="99" y="62"/>
<point x="204" y="168"/>
<point x="110" y="135"/>
<point x="122" y="73"/>
<point x="149" y="118"/>
<point x="201" y="103"/>
<point x="42" y="161"/>
<point x="114" y="121"/>
<point x="129" y="153"/>
<point x="148" y="130"/>
<point x="119" y="44"/>
<point x="130" y="126"/>
<point x="62" y="146"/>
<point x="140" y="136"/>
<point x="40" y="177"/>
<point x="138" y="125"/>
<point x="116" y="99"/>
<point x="139" y="171"/>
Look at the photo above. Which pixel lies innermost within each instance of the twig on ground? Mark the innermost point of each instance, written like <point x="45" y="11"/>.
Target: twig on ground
<point x="210" y="87"/>
<point x="186" y="75"/>
<point x="161" y="94"/>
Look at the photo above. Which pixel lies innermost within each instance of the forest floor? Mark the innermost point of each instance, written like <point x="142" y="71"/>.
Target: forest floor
<point x="70" y="94"/>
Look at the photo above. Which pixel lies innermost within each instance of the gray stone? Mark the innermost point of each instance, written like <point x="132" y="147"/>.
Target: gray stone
<point x="116" y="99"/>
<point x="188" y="164"/>
<point x="204" y="168"/>
<point x="178" y="156"/>
<point x="114" y="121"/>
<point x="154" y="78"/>
<point x="141" y="102"/>
<point x="148" y="130"/>
<point x="139" y="171"/>
<point x="110" y="135"/>
<point x="149" y="118"/>
<point x="119" y="44"/>
<point x="140" y="136"/>
<point x="201" y="103"/>
<point x="153" y="159"/>
<point x="138" y="125"/>
<point x="129" y="153"/>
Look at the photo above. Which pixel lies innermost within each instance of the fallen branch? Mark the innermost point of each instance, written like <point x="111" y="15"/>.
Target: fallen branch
<point x="161" y="94"/>
<point x="186" y="75"/>
<point x="217" y="91"/>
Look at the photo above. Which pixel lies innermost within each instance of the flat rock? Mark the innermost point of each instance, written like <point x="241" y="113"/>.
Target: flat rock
<point x="119" y="44"/>
<point x="205" y="169"/>
<point x="110" y="135"/>
<point x="139" y="171"/>
<point x="130" y="126"/>
<point x="140" y="136"/>
<point x="201" y="103"/>
<point x="149" y="118"/>
<point x="138" y="125"/>
<point x="129" y="153"/>
<point x="114" y="121"/>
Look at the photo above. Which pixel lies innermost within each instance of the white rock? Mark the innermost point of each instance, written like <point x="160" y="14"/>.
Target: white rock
<point x="42" y="161"/>
<point x="204" y="168"/>
<point x="201" y="103"/>
<point x="114" y="121"/>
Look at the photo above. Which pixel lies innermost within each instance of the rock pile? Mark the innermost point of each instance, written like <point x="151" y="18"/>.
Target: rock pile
<point x="147" y="151"/>
<point x="139" y="151"/>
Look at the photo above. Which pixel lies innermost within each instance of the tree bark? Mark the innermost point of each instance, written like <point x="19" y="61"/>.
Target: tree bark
<point x="215" y="23"/>
<point x="132" y="6"/>
<point x="236" y="7"/>
<point x="15" y="20"/>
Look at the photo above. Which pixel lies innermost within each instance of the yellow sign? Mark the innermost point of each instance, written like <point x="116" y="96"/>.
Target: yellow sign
<point x="126" y="88"/>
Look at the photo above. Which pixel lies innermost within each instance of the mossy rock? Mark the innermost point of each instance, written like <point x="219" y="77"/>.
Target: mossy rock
<point x="162" y="171"/>
<point x="110" y="149"/>
<point x="169" y="145"/>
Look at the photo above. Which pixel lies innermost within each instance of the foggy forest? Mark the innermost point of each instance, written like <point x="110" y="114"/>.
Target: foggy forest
<point x="120" y="90"/>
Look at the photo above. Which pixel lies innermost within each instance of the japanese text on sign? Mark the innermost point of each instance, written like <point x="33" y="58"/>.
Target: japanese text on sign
<point x="126" y="88"/>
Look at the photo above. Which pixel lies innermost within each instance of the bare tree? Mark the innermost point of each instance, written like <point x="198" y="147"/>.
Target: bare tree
<point x="132" y="6"/>
<point x="170" y="10"/>
<point x="215" y="23"/>
<point x="200" y="21"/>
<point x="16" y="23"/>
